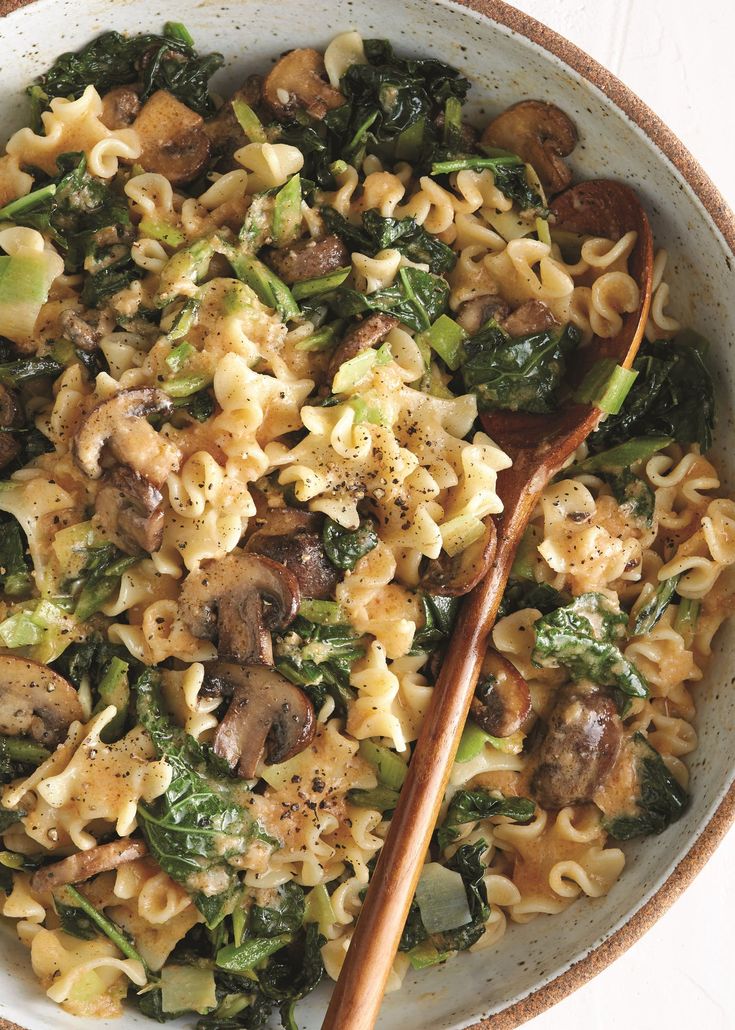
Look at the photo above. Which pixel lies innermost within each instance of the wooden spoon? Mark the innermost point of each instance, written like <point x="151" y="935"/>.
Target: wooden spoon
<point x="539" y="445"/>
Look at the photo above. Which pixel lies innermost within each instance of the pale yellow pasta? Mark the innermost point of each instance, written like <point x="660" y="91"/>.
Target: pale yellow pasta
<point x="345" y="50"/>
<point x="268" y="164"/>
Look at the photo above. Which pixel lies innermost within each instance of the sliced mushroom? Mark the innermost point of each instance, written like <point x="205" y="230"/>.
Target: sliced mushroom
<point x="267" y="714"/>
<point x="292" y="538"/>
<point x="238" y="600"/>
<point x="453" y="576"/>
<point x="502" y="701"/>
<point x="121" y="423"/>
<point x="541" y="134"/>
<point x="473" y="314"/>
<point x="35" y="701"/>
<point x="129" y="508"/>
<point x="362" y="336"/>
<point x="579" y="749"/>
<point x="120" y="107"/>
<point x="308" y="259"/>
<point x="298" y="81"/>
<point x="172" y="138"/>
<point x="532" y="317"/>
<point x="86" y="864"/>
<point x="83" y="335"/>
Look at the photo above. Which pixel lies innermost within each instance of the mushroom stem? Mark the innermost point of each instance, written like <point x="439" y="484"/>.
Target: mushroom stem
<point x="86" y="864"/>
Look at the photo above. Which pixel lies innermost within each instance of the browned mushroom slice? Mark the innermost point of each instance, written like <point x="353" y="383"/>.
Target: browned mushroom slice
<point x="267" y="715"/>
<point x="308" y="259"/>
<point x="472" y="314"/>
<point x="579" y="749"/>
<point x="292" y="538"/>
<point x="238" y="600"/>
<point x="172" y="138"/>
<point x="120" y="107"/>
<point x="35" y="701"/>
<point x="86" y="864"/>
<point x="130" y="509"/>
<point x="539" y="133"/>
<point x="362" y="336"/>
<point x="502" y="701"/>
<point x="121" y="423"/>
<point x="299" y="81"/>
<point x="80" y="332"/>
<point x="532" y="317"/>
<point x="452" y="576"/>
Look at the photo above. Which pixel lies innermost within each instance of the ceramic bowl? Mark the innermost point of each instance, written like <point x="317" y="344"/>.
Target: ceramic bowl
<point x="507" y="55"/>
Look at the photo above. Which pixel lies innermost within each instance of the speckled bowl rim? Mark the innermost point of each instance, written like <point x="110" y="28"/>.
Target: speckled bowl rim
<point x="713" y="832"/>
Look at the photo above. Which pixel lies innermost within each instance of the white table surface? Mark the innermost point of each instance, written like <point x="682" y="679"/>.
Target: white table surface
<point x="678" y="56"/>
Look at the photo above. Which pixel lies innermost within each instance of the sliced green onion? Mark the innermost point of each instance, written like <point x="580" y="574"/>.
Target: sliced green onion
<point x="318" y="907"/>
<point x="474" y="739"/>
<point x="383" y="799"/>
<point x="179" y="356"/>
<point x="270" y="290"/>
<point x="606" y="386"/>
<point x="350" y="372"/>
<point x="185" y="386"/>
<point x="322" y="339"/>
<point x="542" y="231"/>
<point x="249" y="122"/>
<point x="27" y="203"/>
<point x="390" y="768"/>
<point x="175" y="30"/>
<point x="622" y="456"/>
<point x="445" y="167"/>
<point x="324" y="613"/>
<point x="410" y="141"/>
<point x="287" y="212"/>
<point x="187" y="989"/>
<point x="19" y="749"/>
<point x="157" y="229"/>
<point x="445" y="337"/>
<point x="243" y="957"/>
<point x="71" y="896"/>
<point x="442" y="899"/>
<point x="320" y="283"/>
<point x="20" y="630"/>
<point x="425" y="954"/>
<point x="686" y="619"/>
<point x="654" y="608"/>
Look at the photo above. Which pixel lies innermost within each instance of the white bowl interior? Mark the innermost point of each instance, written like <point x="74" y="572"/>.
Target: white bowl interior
<point x="504" y="68"/>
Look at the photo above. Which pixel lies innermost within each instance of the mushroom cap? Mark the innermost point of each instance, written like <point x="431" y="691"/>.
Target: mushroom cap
<point x="130" y="509"/>
<point x="119" y="107"/>
<point x="239" y="599"/>
<point x="307" y="259"/>
<point x="455" y="575"/>
<point x="267" y="714"/>
<point x="298" y="80"/>
<point x="172" y="138"/>
<point x="35" y="701"/>
<point x="292" y="538"/>
<point x="86" y="864"/>
<point x="121" y="422"/>
<point x="541" y="134"/>
<point x="503" y="703"/>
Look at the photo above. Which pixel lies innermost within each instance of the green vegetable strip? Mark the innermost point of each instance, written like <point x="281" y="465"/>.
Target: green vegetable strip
<point x="459" y="165"/>
<point x="622" y="456"/>
<point x="445" y="337"/>
<point x="185" y="386"/>
<point x="246" y="956"/>
<point x="381" y="798"/>
<point x="110" y="929"/>
<point x="606" y="386"/>
<point x="320" y="283"/>
<point x="249" y="121"/>
<point x="652" y="611"/>
<point x="19" y="749"/>
<point x="27" y="203"/>
<point x="686" y="619"/>
<point x="175" y="30"/>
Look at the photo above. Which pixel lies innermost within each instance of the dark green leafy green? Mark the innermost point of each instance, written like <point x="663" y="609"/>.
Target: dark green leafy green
<point x="509" y="175"/>
<point x="200" y="822"/>
<point x="653" y="609"/>
<point x="468" y="806"/>
<point x="75" y="922"/>
<point x="156" y="62"/>
<point x="345" y="547"/>
<point x="439" y="616"/>
<point x="416" y="298"/>
<point x="19" y="757"/>
<point x="285" y="917"/>
<point x="15" y="568"/>
<point x="319" y="659"/>
<point x="522" y="374"/>
<point x="583" y="637"/>
<point x="673" y="396"/>
<point x="632" y="494"/>
<point x="402" y="234"/>
<point x="661" y="799"/>
<point x="523" y="593"/>
<point x="99" y="578"/>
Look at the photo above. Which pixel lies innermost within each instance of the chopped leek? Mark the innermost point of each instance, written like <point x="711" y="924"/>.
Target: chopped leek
<point x="269" y="289"/>
<point x="323" y="613"/>
<point x="287" y="212"/>
<point x="187" y="989"/>
<point x="322" y="339"/>
<point x="442" y="899"/>
<point x="654" y="608"/>
<point x="179" y="356"/>
<point x="458" y="533"/>
<point x="25" y="279"/>
<point x="351" y="372"/>
<point x="524" y="563"/>
<point x="606" y="386"/>
<point x="474" y="739"/>
<point x="20" y="630"/>
<point x="246" y="956"/>
<point x="114" y="690"/>
<point x="686" y="620"/>
<point x="391" y="770"/>
<point x="542" y="231"/>
<point x="185" y="386"/>
<point x="426" y="954"/>
<point x="320" y="283"/>
<point x="445" y="337"/>
<point x="249" y="121"/>
<point x="158" y="229"/>
<point x="318" y="907"/>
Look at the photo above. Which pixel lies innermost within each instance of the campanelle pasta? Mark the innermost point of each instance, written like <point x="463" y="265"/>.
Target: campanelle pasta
<point x="249" y="351"/>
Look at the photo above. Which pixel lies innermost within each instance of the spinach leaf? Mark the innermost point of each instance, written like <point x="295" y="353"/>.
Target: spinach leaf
<point x="416" y="298"/>
<point x="199" y="405"/>
<point x="583" y="637"/>
<point x="286" y="917"/>
<point x="100" y="577"/>
<point x="439" y="617"/>
<point x="294" y="971"/>
<point x="157" y="62"/>
<point x="522" y="374"/>
<point x="15" y="569"/>
<point x="468" y="806"/>
<point x="660" y="801"/>
<point x="19" y="756"/>
<point x="319" y="659"/>
<point x="201" y="821"/>
<point x="509" y="175"/>
<point x="673" y="396"/>
<point x="75" y="921"/>
<point x="402" y="234"/>
<point x="633" y="494"/>
<point x="654" y="608"/>
<point x="8" y="818"/>
<point x="523" y="593"/>
<point x="345" y="547"/>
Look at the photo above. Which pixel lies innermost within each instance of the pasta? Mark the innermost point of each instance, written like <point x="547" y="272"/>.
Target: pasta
<point x="245" y="468"/>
